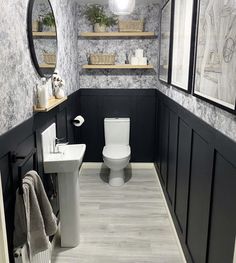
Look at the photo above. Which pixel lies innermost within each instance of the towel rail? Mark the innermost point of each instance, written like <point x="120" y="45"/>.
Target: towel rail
<point x="25" y="159"/>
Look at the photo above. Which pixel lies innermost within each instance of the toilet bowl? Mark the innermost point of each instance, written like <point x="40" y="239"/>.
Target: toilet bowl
<point x="116" y="157"/>
<point x="116" y="152"/>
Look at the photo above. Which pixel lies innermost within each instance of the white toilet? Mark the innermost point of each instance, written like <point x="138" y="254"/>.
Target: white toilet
<point x="116" y="152"/>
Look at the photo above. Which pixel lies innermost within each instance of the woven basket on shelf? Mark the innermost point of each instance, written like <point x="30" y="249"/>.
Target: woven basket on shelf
<point x="102" y="59"/>
<point x="35" y="26"/>
<point x="131" y="25"/>
<point x="49" y="58"/>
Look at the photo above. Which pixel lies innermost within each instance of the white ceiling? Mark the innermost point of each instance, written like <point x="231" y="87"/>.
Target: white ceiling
<point x="139" y="2"/>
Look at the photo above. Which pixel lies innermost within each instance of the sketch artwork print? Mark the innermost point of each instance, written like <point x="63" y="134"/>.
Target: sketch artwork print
<point x="165" y="42"/>
<point x="215" y="78"/>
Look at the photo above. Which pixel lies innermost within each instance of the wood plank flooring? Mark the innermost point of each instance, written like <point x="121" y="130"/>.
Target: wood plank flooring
<point x="129" y="224"/>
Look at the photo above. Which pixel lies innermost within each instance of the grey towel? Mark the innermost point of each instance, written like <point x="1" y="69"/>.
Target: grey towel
<point x="34" y="218"/>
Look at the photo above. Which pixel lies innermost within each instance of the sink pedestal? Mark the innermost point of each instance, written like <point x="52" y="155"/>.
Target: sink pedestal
<point x="69" y="208"/>
<point x="66" y="163"/>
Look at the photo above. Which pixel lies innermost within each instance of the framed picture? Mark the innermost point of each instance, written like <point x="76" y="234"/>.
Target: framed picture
<point x="215" y="77"/>
<point x="182" y="49"/>
<point x="165" y="42"/>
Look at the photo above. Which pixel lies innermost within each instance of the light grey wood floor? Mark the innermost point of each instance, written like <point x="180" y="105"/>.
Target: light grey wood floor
<point x="129" y="224"/>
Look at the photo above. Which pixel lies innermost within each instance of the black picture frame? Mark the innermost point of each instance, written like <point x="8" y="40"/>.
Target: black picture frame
<point x="40" y="71"/>
<point x="166" y="36"/>
<point x="200" y="95"/>
<point x="192" y="36"/>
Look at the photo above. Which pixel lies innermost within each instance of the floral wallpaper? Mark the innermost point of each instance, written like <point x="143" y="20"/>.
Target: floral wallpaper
<point x="18" y="77"/>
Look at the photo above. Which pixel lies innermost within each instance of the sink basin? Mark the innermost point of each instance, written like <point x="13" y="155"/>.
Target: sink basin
<point x="67" y="161"/>
<point x="66" y="164"/>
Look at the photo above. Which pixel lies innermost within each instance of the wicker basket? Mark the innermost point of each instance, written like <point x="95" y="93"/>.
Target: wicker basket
<point x="102" y="59"/>
<point x="49" y="58"/>
<point x="35" y="26"/>
<point x="131" y="25"/>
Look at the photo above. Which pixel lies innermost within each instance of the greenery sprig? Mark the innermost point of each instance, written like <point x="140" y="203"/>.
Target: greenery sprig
<point x="96" y="15"/>
<point x="49" y="20"/>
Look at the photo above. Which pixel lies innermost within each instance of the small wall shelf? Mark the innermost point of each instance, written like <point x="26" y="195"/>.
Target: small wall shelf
<point x="44" y="34"/>
<point x="47" y="66"/>
<point x="52" y="104"/>
<point x="121" y="66"/>
<point x="118" y="34"/>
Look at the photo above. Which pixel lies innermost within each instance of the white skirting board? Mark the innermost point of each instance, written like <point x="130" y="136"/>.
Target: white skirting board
<point x="130" y="166"/>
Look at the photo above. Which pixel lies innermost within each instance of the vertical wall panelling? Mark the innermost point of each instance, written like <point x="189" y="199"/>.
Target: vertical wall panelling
<point x="21" y="140"/>
<point x="201" y="195"/>
<point x="138" y="105"/>
<point x="183" y="168"/>
<point x="143" y="138"/>
<point x="164" y="143"/>
<point x="199" y="198"/>
<point x="223" y="213"/>
<point x="172" y="157"/>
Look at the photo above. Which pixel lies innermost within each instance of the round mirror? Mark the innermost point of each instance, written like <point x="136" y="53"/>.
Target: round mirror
<point x="42" y="36"/>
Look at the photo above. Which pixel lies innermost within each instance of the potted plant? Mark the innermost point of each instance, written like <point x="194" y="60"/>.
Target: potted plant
<point x="49" y="21"/>
<point x="97" y="17"/>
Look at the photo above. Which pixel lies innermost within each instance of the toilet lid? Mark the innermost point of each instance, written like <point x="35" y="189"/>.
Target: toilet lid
<point x="116" y="151"/>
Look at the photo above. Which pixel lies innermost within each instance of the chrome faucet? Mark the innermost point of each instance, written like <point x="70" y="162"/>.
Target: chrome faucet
<point x="57" y="144"/>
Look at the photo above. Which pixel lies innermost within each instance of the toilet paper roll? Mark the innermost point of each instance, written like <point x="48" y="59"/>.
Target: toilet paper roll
<point x="139" y="53"/>
<point x="134" y="61"/>
<point x="143" y="61"/>
<point x="78" y="121"/>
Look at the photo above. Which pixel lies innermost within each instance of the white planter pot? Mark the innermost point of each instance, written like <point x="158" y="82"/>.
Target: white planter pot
<point x="99" y="28"/>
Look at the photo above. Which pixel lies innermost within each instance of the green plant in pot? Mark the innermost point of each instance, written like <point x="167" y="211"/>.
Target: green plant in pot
<point x="97" y="17"/>
<point x="49" y="21"/>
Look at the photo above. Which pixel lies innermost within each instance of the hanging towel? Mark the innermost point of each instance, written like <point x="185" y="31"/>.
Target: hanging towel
<point x="34" y="218"/>
<point x="50" y="220"/>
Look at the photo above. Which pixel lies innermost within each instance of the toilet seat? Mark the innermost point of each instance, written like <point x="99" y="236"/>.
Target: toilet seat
<point x="116" y="152"/>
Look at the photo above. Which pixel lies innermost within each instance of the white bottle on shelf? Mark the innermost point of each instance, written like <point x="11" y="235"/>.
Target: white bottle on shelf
<point x="43" y="95"/>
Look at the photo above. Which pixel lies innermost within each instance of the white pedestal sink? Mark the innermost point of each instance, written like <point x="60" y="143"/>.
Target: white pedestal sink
<point x="66" y="164"/>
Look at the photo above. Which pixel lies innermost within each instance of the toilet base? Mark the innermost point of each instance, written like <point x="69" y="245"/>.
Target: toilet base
<point x="116" y="178"/>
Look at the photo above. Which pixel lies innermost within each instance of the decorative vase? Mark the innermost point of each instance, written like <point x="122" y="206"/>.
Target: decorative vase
<point x="99" y="28"/>
<point x="59" y="93"/>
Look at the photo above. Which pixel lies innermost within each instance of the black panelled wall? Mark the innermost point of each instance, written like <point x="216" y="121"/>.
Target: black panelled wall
<point x="21" y="140"/>
<point x="197" y="168"/>
<point x="196" y="164"/>
<point x="138" y="105"/>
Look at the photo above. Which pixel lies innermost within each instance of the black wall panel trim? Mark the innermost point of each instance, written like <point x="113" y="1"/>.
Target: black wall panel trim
<point x="201" y="183"/>
<point x="21" y="140"/>
<point x="196" y="163"/>
<point x="138" y="105"/>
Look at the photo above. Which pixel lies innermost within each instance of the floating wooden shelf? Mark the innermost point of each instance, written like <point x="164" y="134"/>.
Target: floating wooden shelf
<point x="44" y="34"/>
<point x="47" y="66"/>
<point x="118" y="34"/>
<point x="121" y="66"/>
<point x="52" y="104"/>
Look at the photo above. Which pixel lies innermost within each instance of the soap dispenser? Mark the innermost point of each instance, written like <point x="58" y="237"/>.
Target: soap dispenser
<point x="43" y="95"/>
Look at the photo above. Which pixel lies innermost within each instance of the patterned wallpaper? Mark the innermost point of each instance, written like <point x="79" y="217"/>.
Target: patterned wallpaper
<point x="18" y="77"/>
<point x="135" y="79"/>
